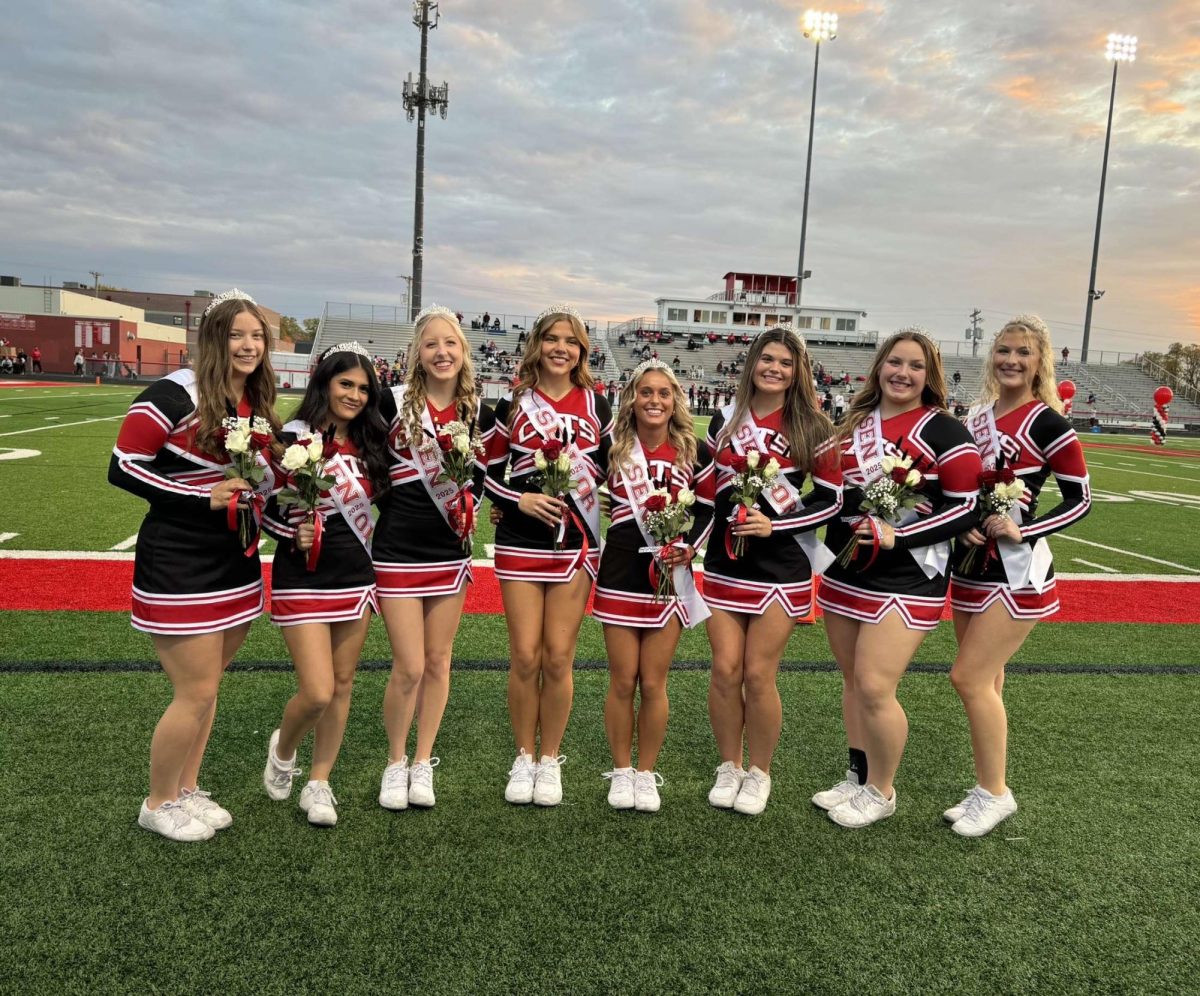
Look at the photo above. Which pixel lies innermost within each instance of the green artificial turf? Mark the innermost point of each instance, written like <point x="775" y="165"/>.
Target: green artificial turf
<point x="1090" y="888"/>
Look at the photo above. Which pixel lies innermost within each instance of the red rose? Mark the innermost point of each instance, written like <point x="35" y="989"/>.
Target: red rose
<point x="656" y="503"/>
<point x="261" y="440"/>
<point x="446" y="442"/>
<point x="552" y="448"/>
<point x="989" y="479"/>
<point x="1006" y="475"/>
<point x="899" y="475"/>
<point x="738" y="463"/>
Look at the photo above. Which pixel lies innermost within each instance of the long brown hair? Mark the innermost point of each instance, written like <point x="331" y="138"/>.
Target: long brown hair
<point x="215" y="395"/>
<point x="529" y="370"/>
<point x="804" y="424"/>
<point x="680" y="431"/>
<point x="933" y="393"/>
<point x="415" y="395"/>
<point x="1045" y="387"/>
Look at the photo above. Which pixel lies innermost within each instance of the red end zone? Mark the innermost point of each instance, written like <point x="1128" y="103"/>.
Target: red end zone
<point x="39" y="585"/>
<point x="40" y="383"/>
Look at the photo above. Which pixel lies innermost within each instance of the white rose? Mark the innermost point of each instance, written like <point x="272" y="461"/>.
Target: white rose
<point x="564" y="462"/>
<point x="771" y="470"/>
<point x="887" y="463"/>
<point x="462" y="443"/>
<point x="913" y="478"/>
<point x="295" y="457"/>
<point x="238" y="441"/>
<point x="316" y="450"/>
<point x="752" y="459"/>
<point x="685" y="498"/>
<point x="539" y="459"/>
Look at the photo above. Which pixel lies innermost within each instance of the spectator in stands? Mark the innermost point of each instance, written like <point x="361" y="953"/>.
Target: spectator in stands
<point x="827" y="403"/>
<point x="839" y="406"/>
<point x="79" y="363"/>
<point x="1066" y="354"/>
<point x="486" y="319"/>
<point x="6" y="364"/>
<point x="1091" y="397"/>
<point x="691" y="396"/>
<point x="19" y="362"/>
<point x="731" y="339"/>
<point x="611" y="393"/>
<point x="459" y="317"/>
<point x="957" y="378"/>
<point x="35" y="357"/>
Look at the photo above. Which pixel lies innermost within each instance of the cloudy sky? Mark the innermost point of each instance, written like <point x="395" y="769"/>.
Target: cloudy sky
<point x="608" y="152"/>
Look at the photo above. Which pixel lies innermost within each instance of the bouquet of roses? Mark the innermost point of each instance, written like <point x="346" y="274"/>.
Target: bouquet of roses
<point x="886" y="498"/>
<point x="554" y="467"/>
<point x="304" y="462"/>
<point x="459" y="445"/>
<point x="244" y="439"/>
<point x="667" y="518"/>
<point x="749" y="479"/>
<point x="999" y="491"/>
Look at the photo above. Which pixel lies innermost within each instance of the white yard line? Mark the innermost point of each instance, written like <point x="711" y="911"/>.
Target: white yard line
<point x="125" y="544"/>
<point x="62" y="425"/>
<point x="1088" y="563"/>
<point x="1147" y="473"/>
<point x="5" y="537"/>
<point x="1126" y="553"/>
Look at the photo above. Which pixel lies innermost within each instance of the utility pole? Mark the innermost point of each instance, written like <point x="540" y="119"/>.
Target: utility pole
<point x="820" y="27"/>
<point x="975" y="332"/>
<point x="417" y="99"/>
<point x="407" y="295"/>
<point x="96" y="276"/>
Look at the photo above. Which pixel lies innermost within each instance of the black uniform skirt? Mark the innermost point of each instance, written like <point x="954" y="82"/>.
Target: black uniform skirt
<point x="341" y="589"/>
<point x="192" y="577"/>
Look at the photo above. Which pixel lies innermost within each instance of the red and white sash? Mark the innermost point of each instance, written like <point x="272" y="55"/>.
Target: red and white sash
<point x="780" y="493"/>
<point x="638" y="485"/>
<point x="347" y="493"/>
<point x="545" y="420"/>
<point x="869" y="451"/>
<point x="1025" y="565"/>
<point x="446" y="495"/>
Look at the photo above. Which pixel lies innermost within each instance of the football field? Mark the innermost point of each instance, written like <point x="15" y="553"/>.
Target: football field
<point x="1091" y="887"/>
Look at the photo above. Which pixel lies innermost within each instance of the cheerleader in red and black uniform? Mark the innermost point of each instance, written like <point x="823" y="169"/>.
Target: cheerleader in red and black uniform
<point x="547" y="548"/>
<point x="323" y="599"/>
<point x="195" y="589"/>
<point x="422" y="548"/>
<point x="879" y="608"/>
<point x="654" y="450"/>
<point x="1009" y="586"/>
<point x="757" y="593"/>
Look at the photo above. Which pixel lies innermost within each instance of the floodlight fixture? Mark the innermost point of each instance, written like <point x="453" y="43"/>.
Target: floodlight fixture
<point x="821" y="25"/>
<point x="1121" y="48"/>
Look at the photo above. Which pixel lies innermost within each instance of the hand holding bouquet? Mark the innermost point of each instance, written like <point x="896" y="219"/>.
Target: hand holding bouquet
<point x="304" y="462"/>
<point x="667" y="517"/>
<point x="750" y="476"/>
<point x="999" y="492"/>
<point x="459" y="445"/>
<point x="244" y="439"/>
<point x="554" y="466"/>
<point x="898" y="489"/>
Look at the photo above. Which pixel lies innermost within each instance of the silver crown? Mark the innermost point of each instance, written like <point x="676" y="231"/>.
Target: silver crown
<point x="346" y="347"/>
<point x="1032" y="322"/>
<point x="787" y="328"/>
<point x="229" y="295"/>
<point x="921" y="331"/>
<point x="652" y="364"/>
<point x="438" y="310"/>
<point x="559" y="309"/>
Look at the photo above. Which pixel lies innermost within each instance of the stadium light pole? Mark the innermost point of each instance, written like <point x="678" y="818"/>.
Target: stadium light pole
<point x="819" y="26"/>
<point x="417" y="99"/>
<point x="1121" y="48"/>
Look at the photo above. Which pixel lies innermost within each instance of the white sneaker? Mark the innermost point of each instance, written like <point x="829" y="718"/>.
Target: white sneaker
<point x="985" y="812"/>
<point x="278" y="774"/>
<point x="547" y="782"/>
<point x="198" y="805"/>
<point x="868" y="806"/>
<point x="956" y="813"/>
<point x="752" y="796"/>
<point x="393" y="789"/>
<point x="519" y="790"/>
<point x="843" y="791"/>
<point x="420" y="783"/>
<point x="725" y="788"/>
<point x="174" y="822"/>
<point x="316" y="799"/>
<point x="621" y="787"/>
<point x="645" y="791"/>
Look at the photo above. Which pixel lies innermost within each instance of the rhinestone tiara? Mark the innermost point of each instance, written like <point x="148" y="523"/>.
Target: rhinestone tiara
<point x="1030" y="322"/>
<point x="921" y="331"/>
<point x="790" y="330"/>
<point x="346" y="347"/>
<point x="652" y="364"/>
<point x="229" y="295"/>
<point x="559" y="309"/>
<point x="435" y="310"/>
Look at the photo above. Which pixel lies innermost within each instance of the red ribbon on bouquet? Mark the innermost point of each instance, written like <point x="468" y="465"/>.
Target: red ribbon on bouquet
<point x="570" y="516"/>
<point x="255" y="503"/>
<point x="655" y="558"/>
<point x="460" y="513"/>
<point x="875" y="546"/>
<point x="739" y="518"/>
<point x="314" y="551"/>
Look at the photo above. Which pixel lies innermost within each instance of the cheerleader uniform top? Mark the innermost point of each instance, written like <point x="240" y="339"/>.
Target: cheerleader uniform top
<point x="411" y="527"/>
<point x="774" y="559"/>
<point x="1034" y="442"/>
<point x="943" y="451"/>
<point x="623" y="531"/>
<point x="581" y="417"/>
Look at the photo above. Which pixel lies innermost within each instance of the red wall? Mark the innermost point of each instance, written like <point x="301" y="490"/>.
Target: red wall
<point x="57" y="337"/>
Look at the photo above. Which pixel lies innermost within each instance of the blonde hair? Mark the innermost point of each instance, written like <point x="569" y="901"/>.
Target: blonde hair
<point x="214" y="374"/>
<point x="933" y="393"/>
<point x="680" y="432"/>
<point x="1045" y="387"/>
<point x="805" y="426"/>
<point x="416" y="392"/>
<point x="529" y="370"/>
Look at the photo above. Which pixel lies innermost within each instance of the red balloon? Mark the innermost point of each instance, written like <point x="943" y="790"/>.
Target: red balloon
<point x="1163" y="396"/>
<point x="1066" y="389"/>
